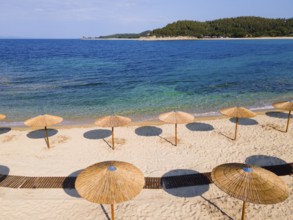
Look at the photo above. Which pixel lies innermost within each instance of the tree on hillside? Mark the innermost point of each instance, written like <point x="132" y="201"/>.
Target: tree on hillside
<point x="228" y="27"/>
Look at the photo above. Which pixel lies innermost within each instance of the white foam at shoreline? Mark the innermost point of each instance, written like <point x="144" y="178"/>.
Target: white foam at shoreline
<point x="136" y="118"/>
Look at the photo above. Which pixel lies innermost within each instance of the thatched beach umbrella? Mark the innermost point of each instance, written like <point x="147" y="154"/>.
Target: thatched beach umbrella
<point x="237" y="112"/>
<point x="112" y="121"/>
<point x="2" y="116"/>
<point x="44" y="121"/>
<point x="250" y="184"/>
<point x="286" y="106"/>
<point x="176" y="117"/>
<point x="110" y="182"/>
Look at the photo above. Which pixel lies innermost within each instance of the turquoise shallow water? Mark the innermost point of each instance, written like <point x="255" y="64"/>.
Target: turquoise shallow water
<point x="86" y="79"/>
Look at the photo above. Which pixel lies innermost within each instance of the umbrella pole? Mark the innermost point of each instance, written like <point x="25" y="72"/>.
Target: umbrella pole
<point x="243" y="211"/>
<point x="288" y="120"/>
<point x="175" y="134"/>
<point x="113" y="138"/>
<point x="235" y="136"/>
<point x="112" y="212"/>
<point x="47" y="137"/>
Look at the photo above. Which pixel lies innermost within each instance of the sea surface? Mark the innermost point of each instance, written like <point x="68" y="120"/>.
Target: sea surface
<point x="82" y="80"/>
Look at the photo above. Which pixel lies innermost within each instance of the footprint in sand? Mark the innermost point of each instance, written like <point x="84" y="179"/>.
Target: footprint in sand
<point x="268" y="127"/>
<point x="61" y="139"/>
<point x="170" y="140"/>
<point x="119" y="141"/>
<point x="8" y="138"/>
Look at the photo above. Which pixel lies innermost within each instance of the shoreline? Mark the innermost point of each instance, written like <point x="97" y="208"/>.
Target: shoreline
<point x="139" y="121"/>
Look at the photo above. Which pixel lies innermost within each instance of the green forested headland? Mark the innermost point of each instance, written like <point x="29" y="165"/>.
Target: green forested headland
<point x="129" y="36"/>
<point x="228" y="27"/>
<point x="238" y="27"/>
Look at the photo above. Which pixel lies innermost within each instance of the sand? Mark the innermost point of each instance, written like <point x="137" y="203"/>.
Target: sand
<point x="203" y="145"/>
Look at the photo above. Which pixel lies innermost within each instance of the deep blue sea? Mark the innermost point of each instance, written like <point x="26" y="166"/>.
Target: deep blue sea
<point x="80" y="79"/>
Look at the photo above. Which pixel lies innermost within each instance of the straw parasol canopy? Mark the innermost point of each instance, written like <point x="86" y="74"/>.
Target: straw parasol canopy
<point x="237" y="112"/>
<point x="110" y="182"/>
<point x="112" y="121"/>
<point x="176" y="117"/>
<point x="44" y="121"/>
<point x="250" y="184"/>
<point x="286" y="106"/>
<point x="2" y="116"/>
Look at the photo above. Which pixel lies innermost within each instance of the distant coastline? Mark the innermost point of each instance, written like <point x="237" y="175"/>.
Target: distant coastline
<point x="154" y="38"/>
<point x="211" y="38"/>
<point x="245" y="27"/>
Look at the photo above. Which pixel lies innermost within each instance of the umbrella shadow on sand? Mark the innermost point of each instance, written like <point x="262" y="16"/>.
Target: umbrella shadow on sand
<point x="69" y="188"/>
<point x="68" y="184"/>
<point x="41" y="134"/>
<point x="280" y="115"/>
<point x="241" y="121"/>
<point x="151" y="131"/>
<point x="244" y="121"/>
<point x="264" y="160"/>
<point x="105" y="212"/>
<point x="185" y="183"/>
<point x="4" y="130"/>
<point x="4" y="171"/>
<point x="170" y="140"/>
<point x="148" y="131"/>
<point x="276" y="114"/>
<point x="270" y="163"/>
<point x="198" y="126"/>
<point x="98" y="134"/>
<point x="188" y="183"/>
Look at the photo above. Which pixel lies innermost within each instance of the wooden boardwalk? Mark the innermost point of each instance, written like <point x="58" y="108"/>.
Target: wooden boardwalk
<point x="24" y="182"/>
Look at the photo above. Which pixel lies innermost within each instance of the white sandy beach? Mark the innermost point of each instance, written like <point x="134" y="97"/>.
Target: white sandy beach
<point x="202" y="146"/>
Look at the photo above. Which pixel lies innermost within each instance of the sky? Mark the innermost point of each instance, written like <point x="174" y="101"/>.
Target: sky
<point x="77" y="18"/>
